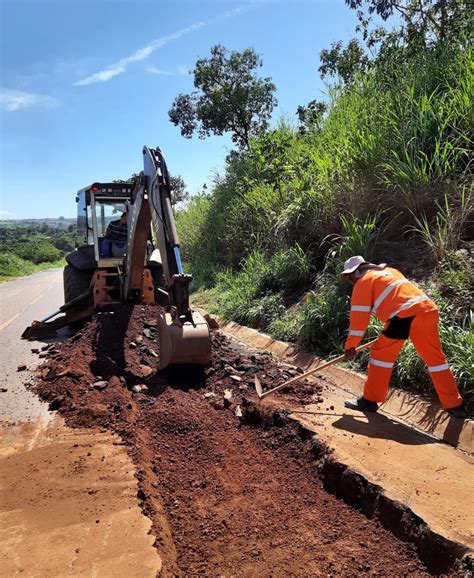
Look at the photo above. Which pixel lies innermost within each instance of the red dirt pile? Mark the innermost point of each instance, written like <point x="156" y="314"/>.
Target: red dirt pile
<point x="225" y="498"/>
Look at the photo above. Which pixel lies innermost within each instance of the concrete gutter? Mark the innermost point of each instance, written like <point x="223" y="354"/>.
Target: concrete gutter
<point x="406" y="407"/>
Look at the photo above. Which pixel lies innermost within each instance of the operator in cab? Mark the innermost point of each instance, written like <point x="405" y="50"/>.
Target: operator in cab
<point x="115" y="243"/>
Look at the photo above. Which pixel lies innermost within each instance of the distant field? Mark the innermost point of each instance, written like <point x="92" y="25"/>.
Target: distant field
<point x="56" y="223"/>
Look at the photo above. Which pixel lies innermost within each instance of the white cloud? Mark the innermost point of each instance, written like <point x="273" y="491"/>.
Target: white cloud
<point x="154" y="70"/>
<point x="12" y="100"/>
<point x="181" y="71"/>
<point x="141" y="54"/>
<point x="102" y="76"/>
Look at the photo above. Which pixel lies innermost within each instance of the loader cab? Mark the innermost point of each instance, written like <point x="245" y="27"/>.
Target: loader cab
<point x="97" y="206"/>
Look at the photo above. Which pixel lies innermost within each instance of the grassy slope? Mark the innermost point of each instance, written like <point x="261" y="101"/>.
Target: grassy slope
<point x="386" y="174"/>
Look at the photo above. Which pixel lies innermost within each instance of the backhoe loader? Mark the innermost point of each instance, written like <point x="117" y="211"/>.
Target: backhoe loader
<point x="150" y="272"/>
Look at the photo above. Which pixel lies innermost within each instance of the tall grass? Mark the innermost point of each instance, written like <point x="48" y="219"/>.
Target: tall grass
<point x="442" y="235"/>
<point x="357" y="238"/>
<point x="256" y="294"/>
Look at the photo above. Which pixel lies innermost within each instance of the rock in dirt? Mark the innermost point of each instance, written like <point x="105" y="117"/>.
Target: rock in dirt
<point x="70" y="372"/>
<point x="236" y="377"/>
<point x="100" y="385"/>
<point x="21" y="367"/>
<point x="146" y="370"/>
<point x="139" y="388"/>
<point x="227" y="397"/>
<point x="45" y="372"/>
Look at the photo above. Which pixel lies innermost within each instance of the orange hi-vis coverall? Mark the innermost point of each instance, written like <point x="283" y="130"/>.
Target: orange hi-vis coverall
<point x="388" y="295"/>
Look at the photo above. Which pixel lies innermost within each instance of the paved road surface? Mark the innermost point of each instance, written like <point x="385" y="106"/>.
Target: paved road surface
<point x="68" y="498"/>
<point x="21" y="302"/>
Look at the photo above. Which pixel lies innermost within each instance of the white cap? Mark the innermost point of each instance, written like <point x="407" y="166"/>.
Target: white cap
<point x="353" y="263"/>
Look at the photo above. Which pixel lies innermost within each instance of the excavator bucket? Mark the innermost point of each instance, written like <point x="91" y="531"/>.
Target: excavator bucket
<point x="184" y="343"/>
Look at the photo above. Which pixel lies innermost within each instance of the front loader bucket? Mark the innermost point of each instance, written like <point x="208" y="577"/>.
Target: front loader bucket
<point x="184" y="343"/>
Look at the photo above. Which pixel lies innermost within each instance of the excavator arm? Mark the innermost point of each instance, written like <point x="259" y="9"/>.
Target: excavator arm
<point x="151" y="202"/>
<point x="184" y="333"/>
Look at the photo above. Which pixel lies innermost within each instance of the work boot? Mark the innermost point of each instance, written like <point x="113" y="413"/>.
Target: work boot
<point x="458" y="411"/>
<point x="361" y="404"/>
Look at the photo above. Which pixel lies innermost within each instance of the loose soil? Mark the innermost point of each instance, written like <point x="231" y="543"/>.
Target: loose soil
<point x="225" y="498"/>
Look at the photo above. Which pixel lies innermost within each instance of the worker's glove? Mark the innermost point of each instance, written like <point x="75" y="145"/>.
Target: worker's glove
<point x="350" y="353"/>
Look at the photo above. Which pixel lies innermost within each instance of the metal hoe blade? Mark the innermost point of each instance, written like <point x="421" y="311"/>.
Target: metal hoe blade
<point x="258" y="387"/>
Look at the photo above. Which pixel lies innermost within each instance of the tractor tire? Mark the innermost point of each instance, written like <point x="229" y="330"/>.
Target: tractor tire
<point x="75" y="281"/>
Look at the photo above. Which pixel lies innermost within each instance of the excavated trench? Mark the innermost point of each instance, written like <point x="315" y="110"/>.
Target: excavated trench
<point x="233" y="487"/>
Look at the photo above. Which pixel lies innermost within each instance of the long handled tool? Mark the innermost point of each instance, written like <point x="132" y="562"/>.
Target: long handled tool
<point x="258" y="386"/>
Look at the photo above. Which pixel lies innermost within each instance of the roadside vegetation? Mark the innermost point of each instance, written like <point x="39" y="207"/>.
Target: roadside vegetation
<point x="29" y="249"/>
<point x="381" y="168"/>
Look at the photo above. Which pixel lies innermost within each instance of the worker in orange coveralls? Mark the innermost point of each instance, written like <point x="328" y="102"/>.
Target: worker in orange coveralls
<point x="384" y="292"/>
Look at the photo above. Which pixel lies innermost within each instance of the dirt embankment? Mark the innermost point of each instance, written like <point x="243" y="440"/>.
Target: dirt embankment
<point x="225" y="498"/>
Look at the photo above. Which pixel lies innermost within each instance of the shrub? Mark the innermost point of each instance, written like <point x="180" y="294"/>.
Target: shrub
<point x="13" y="266"/>
<point x="37" y="251"/>
<point x="287" y="327"/>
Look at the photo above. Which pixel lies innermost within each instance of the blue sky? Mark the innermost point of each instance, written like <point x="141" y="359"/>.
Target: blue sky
<point x="86" y="83"/>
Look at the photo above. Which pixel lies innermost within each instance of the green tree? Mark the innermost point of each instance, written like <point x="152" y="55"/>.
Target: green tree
<point x="230" y="97"/>
<point x="344" y="62"/>
<point x="420" y="25"/>
<point x="179" y="191"/>
<point x="64" y="242"/>
<point x="423" y="23"/>
<point x="311" y="116"/>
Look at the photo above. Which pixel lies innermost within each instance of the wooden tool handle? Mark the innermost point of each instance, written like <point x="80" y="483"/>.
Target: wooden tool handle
<point x="317" y="368"/>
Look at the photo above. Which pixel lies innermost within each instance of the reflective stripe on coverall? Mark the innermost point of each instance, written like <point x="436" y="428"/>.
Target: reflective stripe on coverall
<point x="387" y="294"/>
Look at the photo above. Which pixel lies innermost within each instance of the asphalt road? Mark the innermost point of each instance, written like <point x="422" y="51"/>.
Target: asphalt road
<point x="68" y="498"/>
<point x="22" y="301"/>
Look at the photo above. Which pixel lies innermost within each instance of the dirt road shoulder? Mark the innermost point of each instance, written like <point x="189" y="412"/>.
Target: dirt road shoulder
<point x="69" y="505"/>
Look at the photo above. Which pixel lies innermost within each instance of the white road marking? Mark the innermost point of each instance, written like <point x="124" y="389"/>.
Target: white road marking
<point x="9" y="322"/>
